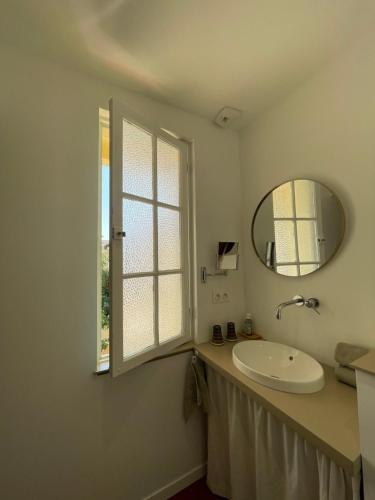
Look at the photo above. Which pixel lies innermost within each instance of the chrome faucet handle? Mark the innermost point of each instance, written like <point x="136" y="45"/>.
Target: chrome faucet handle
<point x="298" y="300"/>
<point x="313" y="304"/>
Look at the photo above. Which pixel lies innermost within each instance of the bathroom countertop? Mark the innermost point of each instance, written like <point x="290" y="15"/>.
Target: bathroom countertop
<point x="327" y="419"/>
<point x="365" y="363"/>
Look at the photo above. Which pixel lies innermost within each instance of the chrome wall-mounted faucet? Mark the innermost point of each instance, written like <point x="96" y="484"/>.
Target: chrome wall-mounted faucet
<point x="298" y="300"/>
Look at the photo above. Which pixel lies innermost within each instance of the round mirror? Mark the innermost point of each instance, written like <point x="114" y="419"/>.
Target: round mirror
<point x="298" y="227"/>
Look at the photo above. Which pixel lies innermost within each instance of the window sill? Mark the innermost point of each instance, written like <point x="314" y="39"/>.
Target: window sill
<point x="103" y="366"/>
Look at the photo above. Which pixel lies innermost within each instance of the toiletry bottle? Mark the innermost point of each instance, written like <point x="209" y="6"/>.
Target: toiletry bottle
<point x="248" y="325"/>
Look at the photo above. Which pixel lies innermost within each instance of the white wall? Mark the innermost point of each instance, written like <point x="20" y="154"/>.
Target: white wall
<point x="325" y="130"/>
<point x="66" y="433"/>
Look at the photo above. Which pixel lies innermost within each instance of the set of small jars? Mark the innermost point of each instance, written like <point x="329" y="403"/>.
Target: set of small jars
<point x="217" y="334"/>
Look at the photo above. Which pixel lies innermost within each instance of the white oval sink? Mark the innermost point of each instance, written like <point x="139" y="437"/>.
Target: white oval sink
<point x="278" y="366"/>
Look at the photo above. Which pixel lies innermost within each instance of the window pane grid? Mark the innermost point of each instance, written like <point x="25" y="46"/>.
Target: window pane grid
<point x="168" y="173"/>
<point x="151" y="202"/>
<point x="294" y="263"/>
<point x="294" y="207"/>
<point x="304" y="195"/>
<point x="138" y="321"/>
<point x="156" y="230"/>
<point x="170" y="306"/>
<point x="140" y="232"/>
<point x="294" y="269"/>
<point x="156" y="238"/>
<point x="285" y="242"/>
<point x="294" y="218"/>
<point x="137" y="160"/>
<point x="283" y="206"/>
<point x="163" y="207"/>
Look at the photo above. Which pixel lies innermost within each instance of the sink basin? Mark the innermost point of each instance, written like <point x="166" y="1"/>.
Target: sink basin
<point x="278" y="366"/>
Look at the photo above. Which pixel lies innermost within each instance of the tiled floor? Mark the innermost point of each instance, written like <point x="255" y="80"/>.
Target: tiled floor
<point x="196" y="491"/>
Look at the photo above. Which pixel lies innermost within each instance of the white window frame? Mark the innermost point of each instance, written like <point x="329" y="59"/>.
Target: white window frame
<point x="119" y="365"/>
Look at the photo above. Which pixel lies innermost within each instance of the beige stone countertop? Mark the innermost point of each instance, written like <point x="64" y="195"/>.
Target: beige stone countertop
<point x="327" y="419"/>
<point x="365" y="363"/>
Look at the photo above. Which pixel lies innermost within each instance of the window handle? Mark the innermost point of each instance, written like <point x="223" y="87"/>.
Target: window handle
<point x="118" y="235"/>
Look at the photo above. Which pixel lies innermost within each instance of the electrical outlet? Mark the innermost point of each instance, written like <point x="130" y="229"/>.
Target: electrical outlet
<point x="216" y="296"/>
<point x="219" y="295"/>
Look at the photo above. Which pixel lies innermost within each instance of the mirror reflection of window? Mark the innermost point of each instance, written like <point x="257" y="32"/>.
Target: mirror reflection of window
<point x="298" y="227"/>
<point x="295" y="220"/>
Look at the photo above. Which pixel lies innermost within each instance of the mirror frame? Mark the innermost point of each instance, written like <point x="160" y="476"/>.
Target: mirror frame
<point x="342" y="233"/>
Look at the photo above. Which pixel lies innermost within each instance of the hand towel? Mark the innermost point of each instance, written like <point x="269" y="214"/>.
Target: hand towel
<point x="346" y="375"/>
<point x="196" y="389"/>
<point x="347" y="353"/>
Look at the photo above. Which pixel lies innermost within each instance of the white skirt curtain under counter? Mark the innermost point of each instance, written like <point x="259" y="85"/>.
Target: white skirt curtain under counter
<point x="252" y="455"/>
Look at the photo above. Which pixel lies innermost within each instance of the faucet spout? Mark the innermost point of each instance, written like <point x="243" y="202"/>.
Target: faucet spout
<point x="298" y="300"/>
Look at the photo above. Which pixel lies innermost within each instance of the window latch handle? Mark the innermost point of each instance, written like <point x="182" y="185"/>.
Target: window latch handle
<point x="118" y="235"/>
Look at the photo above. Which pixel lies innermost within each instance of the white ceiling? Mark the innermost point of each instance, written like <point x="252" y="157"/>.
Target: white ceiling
<point x="199" y="55"/>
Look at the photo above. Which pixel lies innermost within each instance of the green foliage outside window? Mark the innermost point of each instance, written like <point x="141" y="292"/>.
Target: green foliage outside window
<point x="105" y="294"/>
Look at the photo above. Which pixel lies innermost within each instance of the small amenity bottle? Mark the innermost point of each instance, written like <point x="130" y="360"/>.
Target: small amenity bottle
<point x="248" y="325"/>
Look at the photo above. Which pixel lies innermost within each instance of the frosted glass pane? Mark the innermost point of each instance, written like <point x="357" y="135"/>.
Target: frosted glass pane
<point x="138" y="242"/>
<point x="287" y="270"/>
<point x="308" y="268"/>
<point x="305" y="198"/>
<point x="169" y="239"/>
<point x="137" y="161"/>
<point x="285" y="241"/>
<point x="283" y="201"/>
<point x="307" y="242"/>
<point x="168" y="173"/>
<point x="138" y="315"/>
<point x="170" y="307"/>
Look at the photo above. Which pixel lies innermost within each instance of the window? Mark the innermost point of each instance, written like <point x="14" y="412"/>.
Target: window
<point x="296" y="229"/>
<point x="103" y="240"/>
<point x="150" y="292"/>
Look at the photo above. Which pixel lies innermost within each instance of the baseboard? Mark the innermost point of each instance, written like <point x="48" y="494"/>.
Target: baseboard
<point x="178" y="484"/>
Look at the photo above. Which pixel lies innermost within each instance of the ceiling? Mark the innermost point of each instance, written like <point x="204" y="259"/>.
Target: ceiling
<point x="198" y="55"/>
